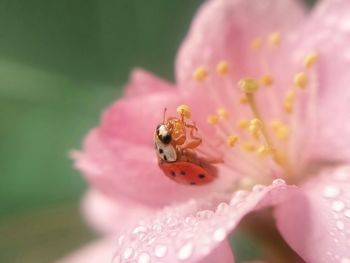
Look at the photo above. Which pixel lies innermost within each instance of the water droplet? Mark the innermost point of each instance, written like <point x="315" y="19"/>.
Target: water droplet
<point x="338" y="206"/>
<point x="160" y="251"/>
<point x="330" y="191"/>
<point x="144" y="258"/>
<point x="347" y="213"/>
<point x="278" y="181"/>
<point x="140" y="232"/>
<point x="185" y="252"/>
<point x="205" y="214"/>
<point x="157" y="228"/>
<point x="340" y="225"/>
<point x="240" y="194"/>
<point x="219" y="234"/>
<point x="128" y="252"/>
<point x="171" y="221"/>
<point x="258" y="187"/>
<point x="222" y="208"/>
<point x="191" y="220"/>
<point x="345" y="260"/>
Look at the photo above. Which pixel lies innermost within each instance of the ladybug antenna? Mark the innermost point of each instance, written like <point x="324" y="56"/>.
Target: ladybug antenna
<point x="165" y="109"/>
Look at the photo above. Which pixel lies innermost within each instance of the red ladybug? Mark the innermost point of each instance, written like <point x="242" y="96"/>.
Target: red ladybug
<point x="175" y="142"/>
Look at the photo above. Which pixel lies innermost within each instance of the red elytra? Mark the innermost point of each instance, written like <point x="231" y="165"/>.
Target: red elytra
<point x="189" y="173"/>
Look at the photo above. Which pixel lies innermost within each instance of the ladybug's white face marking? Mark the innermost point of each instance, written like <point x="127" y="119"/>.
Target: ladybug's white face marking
<point x="166" y="152"/>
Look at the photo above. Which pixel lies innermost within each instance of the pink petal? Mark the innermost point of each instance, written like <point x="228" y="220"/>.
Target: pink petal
<point x="328" y="33"/>
<point x="223" y="29"/>
<point x="120" y="168"/>
<point x="191" y="231"/>
<point x="316" y="225"/>
<point x="143" y="83"/>
<point x="107" y="215"/>
<point x="97" y="252"/>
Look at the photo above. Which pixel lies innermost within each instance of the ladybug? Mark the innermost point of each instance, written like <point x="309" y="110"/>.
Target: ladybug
<point x="175" y="143"/>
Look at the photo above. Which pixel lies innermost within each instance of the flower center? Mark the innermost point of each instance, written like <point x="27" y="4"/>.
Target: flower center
<point x="259" y="113"/>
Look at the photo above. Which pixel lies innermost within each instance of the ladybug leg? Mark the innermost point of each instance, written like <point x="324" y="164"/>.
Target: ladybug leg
<point x="196" y="141"/>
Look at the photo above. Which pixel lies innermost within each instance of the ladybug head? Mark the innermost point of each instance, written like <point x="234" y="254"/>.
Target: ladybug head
<point x="163" y="133"/>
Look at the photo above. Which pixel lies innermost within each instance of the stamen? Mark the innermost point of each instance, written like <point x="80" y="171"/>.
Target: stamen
<point x="281" y="130"/>
<point x="223" y="114"/>
<point x="288" y="102"/>
<point x="242" y="123"/>
<point x="200" y="73"/>
<point x="243" y="99"/>
<point x="213" y="119"/>
<point x="248" y="85"/>
<point x="275" y="39"/>
<point x="248" y="147"/>
<point x="222" y="68"/>
<point x="184" y="110"/>
<point x="232" y="140"/>
<point x="301" y="80"/>
<point x="266" y="80"/>
<point x="263" y="150"/>
<point x="310" y="60"/>
<point x="255" y="127"/>
<point x="256" y="43"/>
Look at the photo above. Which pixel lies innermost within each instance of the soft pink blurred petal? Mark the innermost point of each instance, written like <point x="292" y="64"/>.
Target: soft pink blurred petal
<point x="108" y="215"/>
<point x="96" y="252"/>
<point x="143" y="83"/>
<point x="328" y="33"/>
<point x="190" y="231"/>
<point x="223" y="29"/>
<point x="316" y="225"/>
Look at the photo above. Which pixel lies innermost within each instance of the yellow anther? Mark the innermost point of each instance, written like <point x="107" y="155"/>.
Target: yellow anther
<point x="242" y="123"/>
<point x="243" y="99"/>
<point x="232" y="140"/>
<point x="246" y="183"/>
<point x="255" y="127"/>
<point x="256" y="43"/>
<point x="282" y="133"/>
<point x="266" y="80"/>
<point x="200" y="73"/>
<point x="301" y="80"/>
<point x="288" y="102"/>
<point x="213" y="119"/>
<point x="276" y="124"/>
<point x="248" y="147"/>
<point x="248" y="85"/>
<point x="223" y="114"/>
<point x="275" y="39"/>
<point x="222" y="68"/>
<point x="310" y="60"/>
<point x="184" y="110"/>
<point x="263" y="150"/>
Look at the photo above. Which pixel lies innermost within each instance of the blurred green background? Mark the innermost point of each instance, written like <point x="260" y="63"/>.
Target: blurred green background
<point x="61" y="63"/>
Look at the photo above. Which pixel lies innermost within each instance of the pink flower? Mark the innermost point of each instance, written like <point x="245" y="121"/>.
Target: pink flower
<point x="292" y="152"/>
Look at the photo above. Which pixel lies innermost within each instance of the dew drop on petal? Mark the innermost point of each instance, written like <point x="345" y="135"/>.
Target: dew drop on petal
<point x="160" y="251"/>
<point x="128" y="252"/>
<point x="219" y="234"/>
<point x="121" y="240"/>
<point x="340" y="225"/>
<point x="191" y="220"/>
<point x="222" y="208"/>
<point x="338" y="206"/>
<point x="144" y="258"/>
<point x="185" y="251"/>
<point x="258" y="187"/>
<point x="347" y="213"/>
<point x="205" y="214"/>
<point x="330" y="191"/>
<point x="157" y="228"/>
<point x="278" y="181"/>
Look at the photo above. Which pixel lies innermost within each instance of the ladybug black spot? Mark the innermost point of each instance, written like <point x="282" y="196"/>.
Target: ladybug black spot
<point x="165" y="158"/>
<point x="172" y="173"/>
<point x="160" y="151"/>
<point x="201" y="176"/>
<point x="182" y="172"/>
<point x="192" y="183"/>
